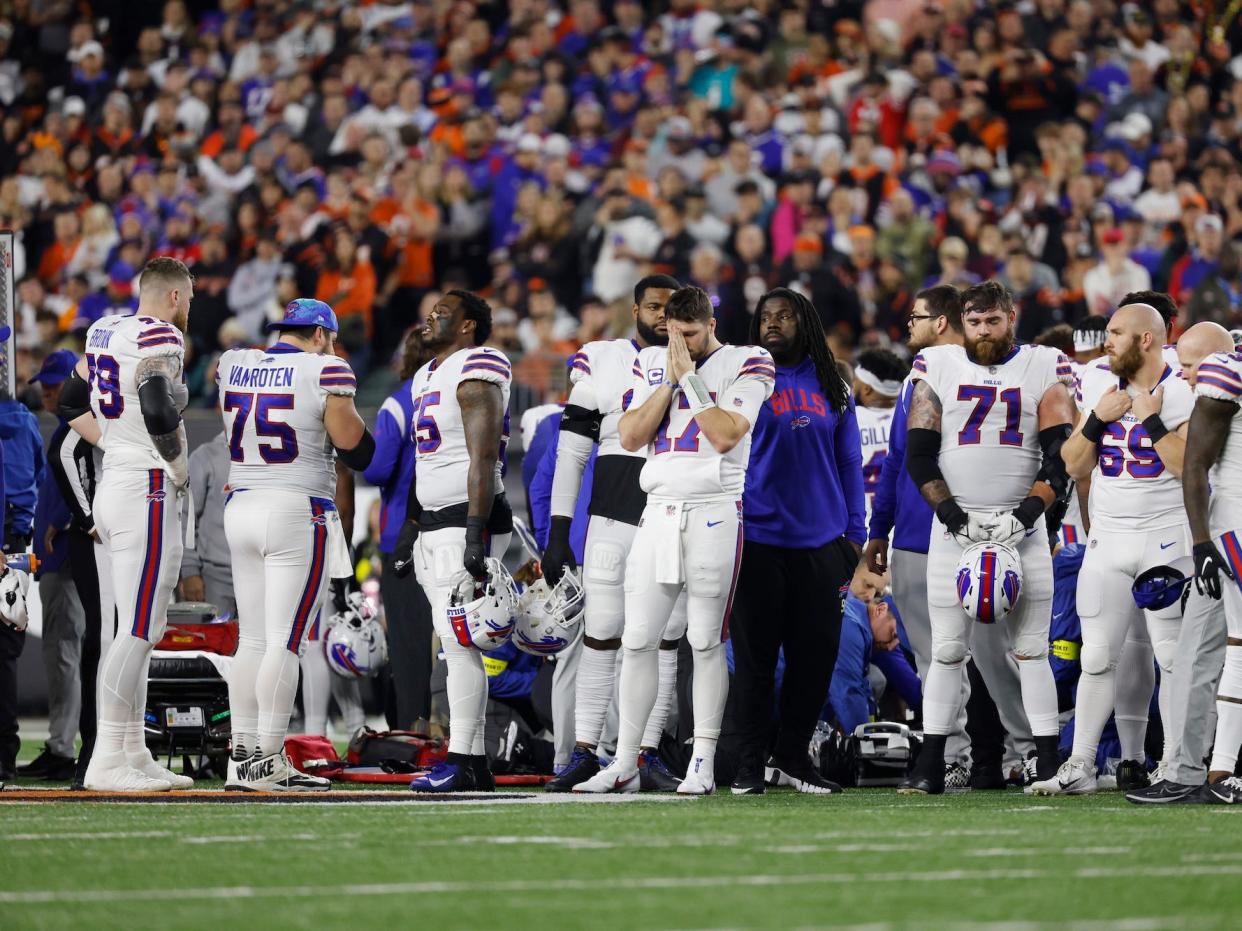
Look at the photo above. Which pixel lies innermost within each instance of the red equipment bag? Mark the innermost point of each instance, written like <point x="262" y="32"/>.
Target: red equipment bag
<point x="218" y="635"/>
<point x="313" y="754"/>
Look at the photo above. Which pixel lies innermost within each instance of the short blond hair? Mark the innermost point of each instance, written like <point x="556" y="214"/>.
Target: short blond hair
<point x="163" y="272"/>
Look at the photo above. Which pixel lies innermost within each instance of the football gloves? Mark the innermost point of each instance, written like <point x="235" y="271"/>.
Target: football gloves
<point x="1209" y="564"/>
<point x="559" y="555"/>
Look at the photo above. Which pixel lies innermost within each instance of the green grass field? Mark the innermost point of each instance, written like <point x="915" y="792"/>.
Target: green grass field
<point x="868" y="858"/>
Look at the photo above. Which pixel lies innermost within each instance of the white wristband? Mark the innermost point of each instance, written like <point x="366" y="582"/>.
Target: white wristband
<point x="696" y="393"/>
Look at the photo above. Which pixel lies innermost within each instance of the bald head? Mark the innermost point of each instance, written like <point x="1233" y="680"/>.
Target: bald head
<point x="1141" y="318"/>
<point x="1199" y="342"/>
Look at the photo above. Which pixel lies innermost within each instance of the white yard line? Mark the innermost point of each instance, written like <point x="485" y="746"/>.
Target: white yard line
<point x="599" y="884"/>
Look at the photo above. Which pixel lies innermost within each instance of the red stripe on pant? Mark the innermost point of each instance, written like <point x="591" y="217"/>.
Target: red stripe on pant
<point x="144" y="605"/>
<point x="319" y="550"/>
<point x="737" y="569"/>
<point x="1233" y="553"/>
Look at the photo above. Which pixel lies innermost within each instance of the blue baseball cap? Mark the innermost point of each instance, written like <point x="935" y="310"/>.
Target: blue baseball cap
<point x="56" y="367"/>
<point x="306" y="312"/>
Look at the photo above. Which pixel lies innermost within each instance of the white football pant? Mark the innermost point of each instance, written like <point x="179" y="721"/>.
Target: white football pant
<point x="1024" y="630"/>
<point x="1229" y="694"/>
<point x="690" y="548"/>
<point x="1109" y="617"/>
<point x="139" y="524"/>
<point x="438" y="564"/>
<point x="278" y="542"/>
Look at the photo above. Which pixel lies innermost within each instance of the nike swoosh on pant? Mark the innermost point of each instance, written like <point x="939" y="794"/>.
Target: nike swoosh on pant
<point x="714" y="523"/>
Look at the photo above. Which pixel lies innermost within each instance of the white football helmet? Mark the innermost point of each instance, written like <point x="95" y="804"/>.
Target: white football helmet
<point x="13" y="587"/>
<point x="548" y="619"/>
<point x="989" y="580"/>
<point x="355" y="646"/>
<point x="482" y="614"/>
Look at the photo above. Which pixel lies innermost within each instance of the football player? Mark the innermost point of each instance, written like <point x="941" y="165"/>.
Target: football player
<point x="878" y="376"/>
<point x="986" y="424"/>
<point x="935" y="320"/>
<point x="694" y="407"/>
<point x="602" y="377"/>
<point x="1212" y="487"/>
<point x="461" y="425"/>
<point x="1131" y="439"/>
<point x="126" y="396"/>
<point x="288" y="413"/>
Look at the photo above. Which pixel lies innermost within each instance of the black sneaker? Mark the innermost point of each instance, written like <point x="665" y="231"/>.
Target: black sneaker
<point x="582" y="766"/>
<point x="1132" y="775"/>
<point x="654" y="775"/>
<point x="1161" y="793"/>
<point x="988" y="777"/>
<point x="48" y="765"/>
<point x="749" y="780"/>
<point x="484" y="780"/>
<point x="801" y="775"/>
<point x="1226" y="792"/>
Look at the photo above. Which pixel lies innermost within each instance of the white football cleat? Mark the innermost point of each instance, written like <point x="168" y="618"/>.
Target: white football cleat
<point x="150" y="767"/>
<point x="612" y="778"/>
<point x="700" y="778"/>
<point x="1075" y="777"/>
<point x="122" y="778"/>
<point x="272" y="774"/>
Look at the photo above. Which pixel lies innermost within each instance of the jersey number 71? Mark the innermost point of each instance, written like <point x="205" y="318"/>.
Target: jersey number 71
<point x="285" y="449"/>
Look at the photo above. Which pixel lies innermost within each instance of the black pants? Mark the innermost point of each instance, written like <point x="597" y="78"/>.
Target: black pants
<point x="790" y="598"/>
<point x="11" y="644"/>
<point x="86" y="579"/>
<point x="409" y="645"/>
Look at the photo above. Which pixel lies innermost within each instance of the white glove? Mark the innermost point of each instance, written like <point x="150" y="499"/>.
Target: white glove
<point x="1006" y="528"/>
<point x="978" y="529"/>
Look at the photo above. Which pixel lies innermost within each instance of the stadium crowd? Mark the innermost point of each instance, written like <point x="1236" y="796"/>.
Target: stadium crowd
<point x="544" y="154"/>
<point x="376" y="156"/>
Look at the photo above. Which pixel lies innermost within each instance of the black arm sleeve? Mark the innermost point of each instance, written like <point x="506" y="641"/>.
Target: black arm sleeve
<point x="159" y="410"/>
<point x="923" y="456"/>
<point x="579" y="420"/>
<point x="360" y="456"/>
<point x="75" y="398"/>
<point x="1052" y="471"/>
<point x="413" y="510"/>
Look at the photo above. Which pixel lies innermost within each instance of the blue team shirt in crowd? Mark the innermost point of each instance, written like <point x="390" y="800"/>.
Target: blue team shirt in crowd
<point x="804" y="485"/>
<point x="898" y="507"/>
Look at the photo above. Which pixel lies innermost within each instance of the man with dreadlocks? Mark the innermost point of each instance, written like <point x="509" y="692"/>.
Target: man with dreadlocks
<point x="804" y="533"/>
<point x="986" y="424"/>
<point x="695" y="404"/>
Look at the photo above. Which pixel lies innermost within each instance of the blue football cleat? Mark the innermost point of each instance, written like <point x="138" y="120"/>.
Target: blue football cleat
<point x="444" y="777"/>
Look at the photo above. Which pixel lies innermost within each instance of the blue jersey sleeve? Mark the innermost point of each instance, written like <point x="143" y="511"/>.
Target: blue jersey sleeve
<point x="847" y="447"/>
<point x="389" y="439"/>
<point x="850" y="692"/>
<point x="884" y="504"/>
<point x="539" y="494"/>
<point x="900" y="675"/>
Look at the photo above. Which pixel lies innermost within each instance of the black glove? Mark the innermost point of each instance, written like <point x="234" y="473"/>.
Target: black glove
<point x="403" y="564"/>
<point x="559" y="555"/>
<point x="1208" y="565"/>
<point x="952" y="516"/>
<point x="475" y="556"/>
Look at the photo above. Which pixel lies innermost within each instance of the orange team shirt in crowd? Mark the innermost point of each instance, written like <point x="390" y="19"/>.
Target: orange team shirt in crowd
<point x="214" y="144"/>
<point x="414" y="261"/>
<point x="52" y="264"/>
<point x="356" y="297"/>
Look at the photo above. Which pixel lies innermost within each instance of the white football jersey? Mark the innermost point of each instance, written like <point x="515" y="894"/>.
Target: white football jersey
<point x="681" y="464"/>
<point x="273" y="402"/>
<point x="989" y="439"/>
<point x="873" y="425"/>
<point x="443" y="461"/>
<point x="115" y="346"/>
<point x="1220" y="378"/>
<point x="1130" y="487"/>
<point x="602" y="376"/>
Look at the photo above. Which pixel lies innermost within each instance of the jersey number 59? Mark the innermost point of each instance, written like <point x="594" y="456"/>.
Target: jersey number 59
<point x="285" y="449"/>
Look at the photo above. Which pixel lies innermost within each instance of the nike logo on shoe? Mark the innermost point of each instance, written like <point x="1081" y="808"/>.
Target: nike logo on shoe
<point x="438" y="782"/>
<point x="714" y="523"/>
